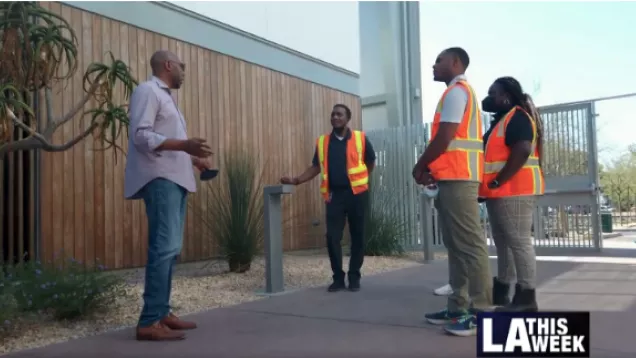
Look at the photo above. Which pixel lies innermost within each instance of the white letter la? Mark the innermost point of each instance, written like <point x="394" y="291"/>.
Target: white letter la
<point x="518" y="336"/>
<point x="487" y="344"/>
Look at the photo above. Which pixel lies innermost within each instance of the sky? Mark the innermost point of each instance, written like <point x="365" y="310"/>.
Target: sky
<point x="559" y="51"/>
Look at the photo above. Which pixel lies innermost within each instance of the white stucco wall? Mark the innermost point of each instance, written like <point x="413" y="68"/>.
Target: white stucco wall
<point x="328" y="31"/>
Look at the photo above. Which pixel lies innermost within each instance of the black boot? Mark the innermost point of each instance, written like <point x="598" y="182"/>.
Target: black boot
<point x="337" y="285"/>
<point x="500" y="293"/>
<point x="524" y="300"/>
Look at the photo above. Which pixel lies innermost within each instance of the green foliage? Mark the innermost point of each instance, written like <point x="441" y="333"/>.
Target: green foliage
<point x="35" y="44"/>
<point x="235" y="215"/>
<point x="66" y="290"/>
<point x="38" y="49"/>
<point x="110" y="119"/>
<point x="8" y="309"/>
<point x="384" y="227"/>
<point x="618" y="181"/>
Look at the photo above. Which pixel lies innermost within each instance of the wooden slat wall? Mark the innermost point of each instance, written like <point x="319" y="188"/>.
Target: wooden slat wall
<point x="226" y="100"/>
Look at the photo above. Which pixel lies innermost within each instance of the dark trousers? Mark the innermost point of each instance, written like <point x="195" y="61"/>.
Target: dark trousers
<point x="344" y="205"/>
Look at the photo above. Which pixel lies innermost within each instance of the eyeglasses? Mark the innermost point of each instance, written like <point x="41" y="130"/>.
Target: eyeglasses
<point x="180" y="64"/>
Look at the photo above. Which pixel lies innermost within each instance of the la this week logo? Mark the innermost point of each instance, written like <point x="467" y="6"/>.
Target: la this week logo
<point x="533" y="334"/>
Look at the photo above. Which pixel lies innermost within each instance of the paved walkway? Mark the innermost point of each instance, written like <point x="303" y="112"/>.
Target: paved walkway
<point x="383" y="320"/>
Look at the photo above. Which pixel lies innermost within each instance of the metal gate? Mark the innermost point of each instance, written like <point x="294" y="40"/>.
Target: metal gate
<point x="568" y="215"/>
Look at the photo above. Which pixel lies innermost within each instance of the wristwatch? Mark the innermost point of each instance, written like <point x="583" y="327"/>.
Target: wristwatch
<point x="494" y="184"/>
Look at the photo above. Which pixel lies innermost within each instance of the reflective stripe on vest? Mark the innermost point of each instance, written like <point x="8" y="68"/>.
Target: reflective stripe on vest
<point x="528" y="180"/>
<point x="496" y="167"/>
<point x="463" y="159"/>
<point x="357" y="172"/>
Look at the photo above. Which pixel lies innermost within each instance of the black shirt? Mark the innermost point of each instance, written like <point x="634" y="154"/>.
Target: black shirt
<point x="337" y="160"/>
<point x="519" y="128"/>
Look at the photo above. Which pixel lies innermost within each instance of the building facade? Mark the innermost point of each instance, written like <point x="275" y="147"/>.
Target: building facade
<point x="261" y="75"/>
<point x="390" y="68"/>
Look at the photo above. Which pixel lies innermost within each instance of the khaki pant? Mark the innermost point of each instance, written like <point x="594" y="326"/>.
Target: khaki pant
<point x="511" y="225"/>
<point x="468" y="265"/>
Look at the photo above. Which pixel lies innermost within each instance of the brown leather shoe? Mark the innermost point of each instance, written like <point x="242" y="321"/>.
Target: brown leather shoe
<point x="158" y="332"/>
<point x="173" y="322"/>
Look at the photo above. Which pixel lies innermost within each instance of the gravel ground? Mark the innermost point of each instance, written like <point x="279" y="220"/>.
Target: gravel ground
<point x="196" y="287"/>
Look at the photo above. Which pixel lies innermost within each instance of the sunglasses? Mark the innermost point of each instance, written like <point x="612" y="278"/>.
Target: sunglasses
<point x="180" y="64"/>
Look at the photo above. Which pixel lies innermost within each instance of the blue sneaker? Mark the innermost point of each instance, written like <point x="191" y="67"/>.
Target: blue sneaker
<point x="465" y="326"/>
<point x="444" y="317"/>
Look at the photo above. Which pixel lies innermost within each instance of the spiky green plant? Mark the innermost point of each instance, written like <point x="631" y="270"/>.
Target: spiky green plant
<point x="38" y="49"/>
<point x="235" y="212"/>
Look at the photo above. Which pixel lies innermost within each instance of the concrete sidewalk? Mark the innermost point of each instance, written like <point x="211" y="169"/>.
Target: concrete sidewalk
<point x="383" y="320"/>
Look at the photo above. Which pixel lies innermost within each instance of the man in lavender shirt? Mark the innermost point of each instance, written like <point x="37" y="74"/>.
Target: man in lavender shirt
<point x="159" y="171"/>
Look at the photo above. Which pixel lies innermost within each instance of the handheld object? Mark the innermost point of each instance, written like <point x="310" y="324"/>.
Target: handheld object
<point x="431" y="190"/>
<point x="209" y="174"/>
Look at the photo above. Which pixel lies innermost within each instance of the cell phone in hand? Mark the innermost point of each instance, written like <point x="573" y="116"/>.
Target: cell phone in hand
<point x="209" y="174"/>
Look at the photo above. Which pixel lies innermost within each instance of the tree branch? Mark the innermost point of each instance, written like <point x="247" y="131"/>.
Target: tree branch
<point x="22" y="144"/>
<point x="80" y="105"/>
<point x="38" y="141"/>
<point x="54" y="124"/>
<point x="72" y="142"/>
<point x="23" y="125"/>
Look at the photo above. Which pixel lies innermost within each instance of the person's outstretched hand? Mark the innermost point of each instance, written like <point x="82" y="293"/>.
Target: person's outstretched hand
<point x="201" y="163"/>
<point x="197" y="148"/>
<point x="288" y="180"/>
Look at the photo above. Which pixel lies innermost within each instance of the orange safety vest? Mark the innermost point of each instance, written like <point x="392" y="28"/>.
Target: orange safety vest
<point x="527" y="181"/>
<point x="464" y="157"/>
<point x="356" y="168"/>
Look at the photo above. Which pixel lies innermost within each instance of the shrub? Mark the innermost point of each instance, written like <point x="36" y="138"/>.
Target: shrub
<point x="384" y="227"/>
<point x="67" y="290"/>
<point x="235" y="215"/>
<point x="8" y="308"/>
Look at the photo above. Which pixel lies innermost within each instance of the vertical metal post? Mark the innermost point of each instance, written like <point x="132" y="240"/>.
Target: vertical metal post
<point x="426" y="226"/>
<point x="595" y="214"/>
<point x="274" y="237"/>
<point x="415" y="63"/>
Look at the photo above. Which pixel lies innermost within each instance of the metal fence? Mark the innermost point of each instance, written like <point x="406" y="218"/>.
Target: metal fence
<point x="566" y="217"/>
<point x="19" y="194"/>
<point x="397" y="150"/>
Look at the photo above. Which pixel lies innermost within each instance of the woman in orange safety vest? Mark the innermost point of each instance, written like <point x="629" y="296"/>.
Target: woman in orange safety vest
<point x="512" y="180"/>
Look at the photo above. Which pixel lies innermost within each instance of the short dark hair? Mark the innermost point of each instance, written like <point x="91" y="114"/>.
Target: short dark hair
<point x="346" y="109"/>
<point x="461" y="54"/>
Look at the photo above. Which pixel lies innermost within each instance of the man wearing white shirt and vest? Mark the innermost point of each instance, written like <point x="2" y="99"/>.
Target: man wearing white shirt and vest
<point x="344" y="158"/>
<point x="454" y="159"/>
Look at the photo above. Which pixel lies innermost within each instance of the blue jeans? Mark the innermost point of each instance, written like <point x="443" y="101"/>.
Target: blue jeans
<point x="165" y="208"/>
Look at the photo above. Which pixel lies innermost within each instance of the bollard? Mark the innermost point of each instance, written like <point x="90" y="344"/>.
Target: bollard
<point x="274" y="237"/>
<point x="426" y="225"/>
